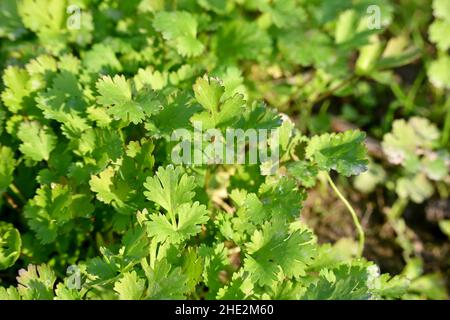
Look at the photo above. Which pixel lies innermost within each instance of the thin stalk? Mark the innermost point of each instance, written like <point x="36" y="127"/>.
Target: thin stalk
<point x="17" y="192"/>
<point x="398" y="92"/>
<point x="409" y="102"/>
<point x="172" y="218"/>
<point x="397" y="223"/>
<point x="352" y="212"/>
<point x="446" y="130"/>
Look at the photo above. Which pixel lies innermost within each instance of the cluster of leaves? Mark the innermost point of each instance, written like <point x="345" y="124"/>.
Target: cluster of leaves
<point x="413" y="145"/>
<point x="85" y="163"/>
<point x="97" y="177"/>
<point x="414" y="164"/>
<point x="438" y="70"/>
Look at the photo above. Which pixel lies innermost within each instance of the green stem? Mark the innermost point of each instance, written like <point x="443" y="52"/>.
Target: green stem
<point x="446" y="130"/>
<point x="409" y="102"/>
<point x="398" y="92"/>
<point x="397" y="223"/>
<point x="17" y="192"/>
<point x="352" y="212"/>
<point x="172" y="218"/>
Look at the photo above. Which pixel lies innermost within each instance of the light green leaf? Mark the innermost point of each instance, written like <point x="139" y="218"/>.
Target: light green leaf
<point x="10" y="245"/>
<point x="130" y="286"/>
<point x="7" y="165"/>
<point x="416" y="188"/>
<point x="208" y="93"/>
<point x="18" y="88"/>
<point x="445" y="227"/>
<point x="10" y="293"/>
<point x="36" y="282"/>
<point x="62" y="292"/>
<point x="220" y="112"/>
<point x="408" y="137"/>
<point x="441" y="9"/>
<point x="117" y="95"/>
<point x="103" y="186"/>
<point x="190" y="217"/>
<point x="37" y="141"/>
<point x="439" y="34"/>
<point x="179" y="27"/>
<point x="439" y="72"/>
<point x="170" y="188"/>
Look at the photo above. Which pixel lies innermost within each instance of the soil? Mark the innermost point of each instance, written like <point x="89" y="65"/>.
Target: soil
<point x="331" y="221"/>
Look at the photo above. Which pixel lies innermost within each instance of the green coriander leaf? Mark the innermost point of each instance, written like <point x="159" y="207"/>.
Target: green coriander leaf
<point x="100" y="270"/>
<point x="215" y="261"/>
<point x="438" y="34"/>
<point x="36" y="282"/>
<point x="273" y="249"/>
<point x="445" y="227"/>
<point x="37" y="141"/>
<point x="441" y="9"/>
<point x="344" y="152"/>
<point x="282" y="198"/>
<point x="346" y="282"/>
<point x="240" y="288"/>
<point x="208" y="93"/>
<point x="7" y="165"/>
<point x="116" y="93"/>
<point x="307" y="48"/>
<point x="304" y="172"/>
<point x="47" y="19"/>
<point x="220" y="112"/>
<point x="18" y="88"/>
<point x="101" y="58"/>
<point x="190" y="217"/>
<point x="387" y="287"/>
<point x="439" y="72"/>
<point x="113" y="90"/>
<point x="103" y="186"/>
<point x="62" y="292"/>
<point x="130" y="286"/>
<point x="136" y="243"/>
<point x="10" y="245"/>
<point x="170" y="188"/>
<point x="218" y="6"/>
<point x="408" y="137"/>
<point x="192" y="267"/>
<point x="180" y="27"/>
<point x="165" y="282"/>
<point x="238" y="39"/>
<point x="52" y="208"/>
<point x="416" y="188"/>
<point x="10" y="293"/>
<point x="10" y="23"/>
